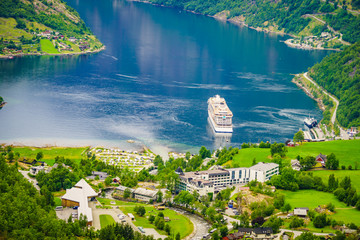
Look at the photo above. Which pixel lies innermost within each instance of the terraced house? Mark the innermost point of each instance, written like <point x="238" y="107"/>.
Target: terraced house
<point x="212" y="181"/>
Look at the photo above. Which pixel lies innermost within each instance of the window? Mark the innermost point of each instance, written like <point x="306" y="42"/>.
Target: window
<point x="233" y="175"/>
<point x="240" y="173"/>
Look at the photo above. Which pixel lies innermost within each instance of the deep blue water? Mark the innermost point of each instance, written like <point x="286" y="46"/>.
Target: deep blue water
<point x="153" y="80"/>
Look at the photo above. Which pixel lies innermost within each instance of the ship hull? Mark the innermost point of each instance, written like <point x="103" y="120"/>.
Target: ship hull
<point x="218" y="129"/>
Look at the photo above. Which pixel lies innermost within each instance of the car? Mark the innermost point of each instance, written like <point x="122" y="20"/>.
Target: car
<point x="59" y="208"/>
<point x="76" y="207"/>
<point x="123" y="220"/>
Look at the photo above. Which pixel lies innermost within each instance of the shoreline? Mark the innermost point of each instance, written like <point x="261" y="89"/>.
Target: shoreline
<point x="11" y="56"/>
<point x="231" y="20"/>
<point x="308" y="93"/>
<point x="306" y="47"/>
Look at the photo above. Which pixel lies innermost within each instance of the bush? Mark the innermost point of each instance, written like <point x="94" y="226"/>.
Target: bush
<point x="140" y="210"/>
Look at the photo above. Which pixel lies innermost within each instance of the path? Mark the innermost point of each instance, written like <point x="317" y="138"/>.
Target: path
<point x="32" y="180"/>
<point x="333" y="117"/>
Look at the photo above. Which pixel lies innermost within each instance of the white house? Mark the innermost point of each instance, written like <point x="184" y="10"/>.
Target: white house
<point x="301" y="212"/>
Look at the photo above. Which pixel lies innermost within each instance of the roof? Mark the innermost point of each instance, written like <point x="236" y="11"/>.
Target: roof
<point x="80" y="193"/>
<point x="302" y="208"/>
<point x="261" y="230"/>
<point x="322" y="156"/>
<point x="179" y="171"/>
<point x="145" y="192"/>
<point x="264" y="166"/>
<point x="122" y="188"/>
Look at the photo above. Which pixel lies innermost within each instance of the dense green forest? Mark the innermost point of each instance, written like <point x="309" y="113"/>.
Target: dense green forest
<point x="28" y="214"/>
<point x="286" y="15"/>
<point x="67" y="22"/>
<point x="339" y="73"/>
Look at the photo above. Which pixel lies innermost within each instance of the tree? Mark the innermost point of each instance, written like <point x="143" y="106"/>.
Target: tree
<point x="296" y="222"/>
<point x="159" y="196"/>
<point x="274" y="222"/>
<point x="278" y="148"/>
<point x="224" y="231"/>
<point x="307" y="162"/>
<point x="204" y="153"/>
<point x="257" y="222"/>
<point x="299" y="137"/>
<point x="307" y="236"/>
<point x="320" y="221"/>
<point x="140" y="210"/>
<point x="151" y="218"/>
<point x="127" y="193"/>
<point x="332" y="183"/>
<point x="286" y="208"/>
<point x="108" y="181"/>
<point x="39" y="156"/>
<point x="10" y="156"/>
<point x="167" y="229"/>
<point x="178" y="236"/>
<point x="158" y="161"/>
<point x="346" y="183"/>
<point x="332" y="163"/>
<point x="279" y="201"/>
<point x="330" y="207"/>
<point x="168" y="196"/>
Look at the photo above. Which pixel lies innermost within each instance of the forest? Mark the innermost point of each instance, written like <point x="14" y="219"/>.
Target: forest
<point x="339" y="73"/>
<point x="50" y="17"/>
<point x="287" y="15"/>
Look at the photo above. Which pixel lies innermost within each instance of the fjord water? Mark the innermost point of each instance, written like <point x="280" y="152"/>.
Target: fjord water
<point x="152" y="82"/>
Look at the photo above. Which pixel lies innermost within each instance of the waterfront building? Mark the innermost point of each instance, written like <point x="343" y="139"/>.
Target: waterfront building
<point x="214" y="180"/>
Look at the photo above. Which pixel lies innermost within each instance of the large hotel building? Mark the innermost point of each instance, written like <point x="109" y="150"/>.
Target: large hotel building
<point x="211" y="181"/>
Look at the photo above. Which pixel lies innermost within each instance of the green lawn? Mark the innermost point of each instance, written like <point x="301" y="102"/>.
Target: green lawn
<point x="106" y="220"/>
<point x="347" y="152"/>
<point x="340" y="174"/>
<point x="313" y="198"/>
<point x="57" y="201"/>
<point x="51" y="152"/>
<point x="47" y="46"/>
<point x="179" y="223"/>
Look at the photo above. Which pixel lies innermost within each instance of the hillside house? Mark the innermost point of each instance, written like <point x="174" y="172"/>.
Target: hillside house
<point x="295" y="164"/>
<point x="301" y="212"/>
<point x="321" y="159"/>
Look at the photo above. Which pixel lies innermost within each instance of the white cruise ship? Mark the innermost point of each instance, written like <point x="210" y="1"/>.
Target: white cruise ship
<point x="220" y="116"/>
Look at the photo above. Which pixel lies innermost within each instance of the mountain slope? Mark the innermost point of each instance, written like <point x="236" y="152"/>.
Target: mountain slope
<point x="339" y="73"/>
<point x="23" y="23"/>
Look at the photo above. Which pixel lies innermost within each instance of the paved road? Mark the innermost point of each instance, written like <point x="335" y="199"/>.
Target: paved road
<point x="333" y="117"/>
<point x="296" y="233"/>
<point x="201" y="227"/>
<point x="32" y="180"/>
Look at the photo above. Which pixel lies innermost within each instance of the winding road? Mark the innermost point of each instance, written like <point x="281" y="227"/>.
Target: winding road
<point x="333" y="117"/>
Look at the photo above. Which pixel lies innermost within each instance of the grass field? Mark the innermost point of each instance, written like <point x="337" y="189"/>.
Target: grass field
<point x="106" y="220"/>
<point x="347" y="152"/>
<point x="51" y="152"/>
<point x="312" y="199"/>
<point x="340" y="174"/>
<point x="8" y="30"/>
<point x="47" y="46"/>
<point x="57" y="201"/>
<point x="179" y="223"/>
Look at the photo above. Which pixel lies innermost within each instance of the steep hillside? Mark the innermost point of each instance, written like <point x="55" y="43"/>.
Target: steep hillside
<point x="302" y="18"/>
<point x="339" y="74"/>
<point x="43" y="26"/>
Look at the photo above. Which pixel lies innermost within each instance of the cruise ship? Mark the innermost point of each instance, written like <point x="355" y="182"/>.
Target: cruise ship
<point x="220" y="116"/>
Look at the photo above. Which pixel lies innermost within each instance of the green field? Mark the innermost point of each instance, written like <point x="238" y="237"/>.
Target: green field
<point x="51" y="152"/>
<point x="340" y="174"/>
<point x="313" y="198"/>
<point x="9" y="31"/>
<point x="106" y="220"/>
<point x="47" y="46"/>
<point x="348" y="152"/>
<point x="179" y="223"/>
<point x="57" y="201"/>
